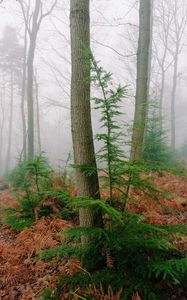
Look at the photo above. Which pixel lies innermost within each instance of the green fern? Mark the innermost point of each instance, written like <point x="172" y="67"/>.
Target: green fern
<point x="143" y="254"/>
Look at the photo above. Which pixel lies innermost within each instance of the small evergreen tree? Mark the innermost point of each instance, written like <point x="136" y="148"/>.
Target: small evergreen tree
<point x="156" y="150"/>
<point x="109" y="106"/>
<point x="120" y="172"/>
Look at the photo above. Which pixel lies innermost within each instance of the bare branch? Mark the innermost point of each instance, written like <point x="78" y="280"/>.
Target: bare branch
<point x="52" y="102"/>
<point x="43" y="15"/>
<point x="107" y="46"/>
<point x="25" y="17"/>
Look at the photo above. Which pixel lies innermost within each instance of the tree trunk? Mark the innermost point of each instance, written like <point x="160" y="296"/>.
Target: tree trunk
<point x="142" y="80"/>
<point x="173" y="96"/>
<point x="10" y="123"/>
<point x="150" y="49"/>
<point x="30" y="105"/>
<point x="82" y="135"/>
<point x="23" y="89"/>
<point x="30" y="78"/>
<point x="161" y="96"/>
<point x="2" y="126"/>
<point x="38" y="115"/>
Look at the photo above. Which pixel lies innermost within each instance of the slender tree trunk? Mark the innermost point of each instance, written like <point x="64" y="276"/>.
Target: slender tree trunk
<point x="30" y="78"/>
<point x="37" y="115"/>
<point x="82" y="135"/>
<point x="24" y="134"/>
<point x="150" y="48"/>
<point x="142" y="80"/>
<point x="10" y="124"/>
<point x="173" y="97"/>
<point x="2" y="127"/>
<point x="161" y="96"/>
<point x="30" y="105"/>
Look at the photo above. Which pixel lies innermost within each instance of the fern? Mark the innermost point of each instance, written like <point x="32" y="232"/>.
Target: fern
<point x="142" y="254"/>
<point x="33" y="178"/>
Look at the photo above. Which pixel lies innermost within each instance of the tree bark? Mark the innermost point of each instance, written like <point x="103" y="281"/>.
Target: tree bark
<point x="82" y="135"/>
<point x="142" y="80"/>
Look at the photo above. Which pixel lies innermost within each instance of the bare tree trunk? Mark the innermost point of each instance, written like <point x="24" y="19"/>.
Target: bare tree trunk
<point x="32" y="23"/>
<point x="2" y="127"/>
<point x="82" y="135"/>
<point x="173" y="97"/>
<point x="161" y="96"/>
<point x="23" y="89"/>
<point x="30" y="78"/>
<point x="142" y="80"/>
<point x="150" y="47"/>
<point x="37" y="115"/>
<point x="10" y="124"/>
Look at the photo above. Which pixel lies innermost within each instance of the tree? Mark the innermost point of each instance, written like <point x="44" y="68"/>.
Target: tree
<point x="179" y="9"/>
<point x="33" y="22"/>
<point x="142" y="80"/>
<point x="11" y="53"/>
<point x="23" y="96"/>
<point x="2" y="123"/>
<point x="163" y="23"/>
<point x="37" y="112"/>
<point x="83" y="146"/>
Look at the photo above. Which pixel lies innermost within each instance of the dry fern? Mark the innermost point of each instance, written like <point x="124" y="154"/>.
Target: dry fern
<point x="96" y="293"/>
<point x="109" y="260"/>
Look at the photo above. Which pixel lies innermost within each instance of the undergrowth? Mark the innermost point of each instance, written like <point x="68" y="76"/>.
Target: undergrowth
<point x="33" y="185"/>
<point x="127" y="253"/>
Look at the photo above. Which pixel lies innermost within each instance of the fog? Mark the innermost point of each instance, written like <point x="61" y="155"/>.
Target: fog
<point x="114" y="39"/>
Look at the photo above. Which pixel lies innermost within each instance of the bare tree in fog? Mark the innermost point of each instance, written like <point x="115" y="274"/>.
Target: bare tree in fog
<point x="36" y="86"/>
<point x="23" y="95"/>
<point x="11" y="53"/>
<point x="32" y="23"/>
<point x="2" y="121"/>
<point x="163" y="23"/>
<point x="179" y="8"/>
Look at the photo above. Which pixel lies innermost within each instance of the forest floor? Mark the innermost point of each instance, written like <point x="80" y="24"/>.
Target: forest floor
<point x="23" y="277"/>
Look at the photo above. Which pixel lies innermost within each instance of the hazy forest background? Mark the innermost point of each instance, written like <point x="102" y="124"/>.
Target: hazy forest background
<point x="114" y="38"/>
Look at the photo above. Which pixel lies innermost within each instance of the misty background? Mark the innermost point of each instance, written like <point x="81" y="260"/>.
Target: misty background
<point x="114" y="38"/>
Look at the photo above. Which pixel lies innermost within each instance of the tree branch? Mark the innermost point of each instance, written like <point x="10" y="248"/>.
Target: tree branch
<point x="120" y="54"/>
<point x="24" y="16"/>
<point x="43" y="15"/>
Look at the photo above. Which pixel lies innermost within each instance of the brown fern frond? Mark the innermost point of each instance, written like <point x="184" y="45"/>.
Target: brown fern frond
<point x="109" y="260"/>
<point x="72" y="266"/>
<point x="136" y="296"/>
<point x="100" y="294"/>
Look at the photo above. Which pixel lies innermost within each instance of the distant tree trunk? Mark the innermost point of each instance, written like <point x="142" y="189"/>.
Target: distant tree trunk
<point x="2" y="127"/>
<point x="32" y="23"/>
<point x="23" y="90"/>
<point x="173" y="97"/>
<point x="150" y="48"/>
<point x="30" y="78"/>
<point x="142" y="80"/>
<point x="37" y="115"/>
<point x="10" y="123"/>
<point x="161" y="98"/>
<point x="82" y="135"/>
